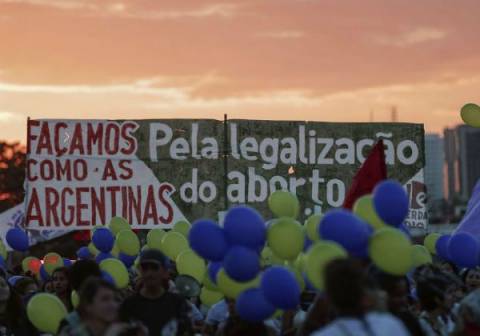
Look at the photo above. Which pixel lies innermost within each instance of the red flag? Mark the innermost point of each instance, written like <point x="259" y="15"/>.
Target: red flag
<point x="370" y="173"/>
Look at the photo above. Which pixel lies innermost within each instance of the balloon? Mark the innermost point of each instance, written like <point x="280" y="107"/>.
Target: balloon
<point x="93" y="250"/>
<point x="298" y="277"/>
<point x="3" y="250"/>
<point x="213" y="269"/>
<point x="128" y="242"/>
<point x="471" y="114"/>
<point x="102" y="256"/>
<point x="26" y="263"/>
<point x="52" y="261"/>
<point x="286" y="238"/>
<point x="34" y="266"/>
<point x="208" y="283"/>
<point x="252" y="306"/>
<point x="182" y="227"/>
<point x="118" y="224"/>
<point x="174" y="243"/>
<point x="43" y="273"/>
<point x="280" y="288"/>
<point x="244" y="226"/>
<point x="391" y="203"/>
<point x="344" y="228"/>
<point x="430" y="242"/>
<point x="115" y="250"/>
<point x="46" y="311"/>
<point x="108" y="278"/>
<point x="103" y="240"/>
<point x="117" y="271"/>
<point x="464" y="250"/>
<point x="17" y="239"/>
<point x="284" y="204"/>
<point x="208" y="240"/>
<point x="231" y="288"/>
<point x="266" y="256"/>
<point x="74" y="298"/>
<point x="126" y="259"/>
<point x="391" y="251"/>
<point x="67" y="262"/>
<point x="420" y="255"/>
<point x="210" y="297"/>
<point x="154" y="238"/>
<point x="318" y="256"/>
<point x="84" y="253"/>
<point x="311" y="225"/>
<point x="241" y="263"/>
<point x="189" y="263"/>
<point x="442" y="247"/>
<point x="365" y="210"/>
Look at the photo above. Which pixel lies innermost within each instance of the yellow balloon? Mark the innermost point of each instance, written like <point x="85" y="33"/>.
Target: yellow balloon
<point x="391" y="251"/>
<point x="52" y="261"/>
<point x="286" y="238"/>
<point x="208" y="283"/>
<point x="74" y="298"/>
<point x="311" y="226"/>
<point x="26" y="263"/>
<point x="231" y="288"/>
<point x="115" y="250"/>
<point x="3" y="250"/>
<point x="189" y="263"/>
<point x="430" y="241"/>
<point x="46" y="311"/>
<point x="174" y="243"/>
<point x="284" y="204"/>
<point x="118" y="224"/>
<point x="154" y="238"/>
<point x="364" y="209"/>
<point x="318" y="256"/>
<point x="298" y="277"/>
<point x="128" y="242"/>
<point x="117" y="271"/>
<point x="93" y="250"/>
<point x="420" y="255"/>
<point x="299" y="263"/>
<point x="182" y="227"/>
<point x="266" y="256"/>
<point x="209" y="297"/>
<point x="471" y="114"/>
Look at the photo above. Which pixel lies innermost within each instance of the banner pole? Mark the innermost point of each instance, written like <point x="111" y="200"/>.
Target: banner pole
<point x="225" y="160"/>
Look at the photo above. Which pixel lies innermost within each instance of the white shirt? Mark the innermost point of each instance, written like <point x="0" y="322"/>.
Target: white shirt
<point x="217" y="314"/>
<point x="379" y="324"/>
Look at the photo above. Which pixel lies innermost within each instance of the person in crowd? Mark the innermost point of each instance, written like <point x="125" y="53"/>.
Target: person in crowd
<point x="235" y="326"/>
<point x="431" y="292"/>
<point x="47" y="287"/>
<point x="468" y="321"/>
<point x="162" y="312"/>
<point x="471" y="278"/>
<point x="319" y="314"/>
<point x="26" y="286"/>
<point x="81" y="271"/>
<point x="61" y="286"/>
<point x="347" y="288"/>
<point x="217" y="315"/>
<point x="97" y="313"/>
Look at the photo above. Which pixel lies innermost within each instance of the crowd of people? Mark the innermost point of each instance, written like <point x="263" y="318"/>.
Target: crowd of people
<point x="433" y="300"/>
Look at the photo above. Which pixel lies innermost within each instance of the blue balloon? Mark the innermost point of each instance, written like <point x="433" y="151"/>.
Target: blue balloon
<point x="403" y="227"/>
<point x="213" y="269"/>
<point x="108" y="278"/>
<point x="252" y="306"/>
<point x="102" y="256"/>
<point x="307" y="244"/>
<point x="17" y="239"/>
<point x="67" y="262"/>
<point x="441" y="246"/>
<point x="241" y="263"/>
<point x="43" y="273"/>
<point x="308" y="285"/>
<point x="464" y="250"/>
<point x="84" y="253"/>
<point x="391" y="202"/>
<point x="127" y="259"/>
<point x="12" y="281"/>
<point x="207" y="239"/>
<point x="280" y="288"/>
<point x="346" y="229"/>
<point x="103" y="240"/>
<point x="244" y="226"/>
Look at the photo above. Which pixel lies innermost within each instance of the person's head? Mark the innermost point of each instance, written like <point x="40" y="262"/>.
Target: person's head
<point x="82" y="270"/>
<point x="346" y="285"/>
<point x="153" y="268"/>
<point x="98" y="300"/>
<point x="26" y="286"/>
<point x="449" y="267"/>
<point x="47" y="287"/>
<point x="61" y="285"/>
<point x="472" y="279"/>
<point x="431" y="292"/>
<point x="397" y="290"/>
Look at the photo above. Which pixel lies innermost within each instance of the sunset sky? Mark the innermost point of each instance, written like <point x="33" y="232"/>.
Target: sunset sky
<point x="322" y="60"/>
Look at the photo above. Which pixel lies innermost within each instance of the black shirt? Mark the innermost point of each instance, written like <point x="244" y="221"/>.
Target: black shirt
<point x="155" y="314"/>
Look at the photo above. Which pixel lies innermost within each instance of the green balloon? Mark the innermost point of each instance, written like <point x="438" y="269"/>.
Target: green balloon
<point x="117" y="271"/>
<point x="174" y="243"/>
<point x="52" y="261"/>
<point x="3" y="250"/>
<point x="420" y="255"/>
<point x="189" y="263"/>
<point x="115" y="250"/>
<point x="299" y="263"/>
<point x="182" y="227"/>
<point x="317" y="257"/>
<point x="210" y="297"/>
<point x="471" y="114"/>
<point x="391" y="251"/>
<point x="286" y="238"/>
<point x="128" y="242"/>
<point x="208" y="283"/>
<point x="154" y="238"/>
<point x="93" y="250"/>
<point x="231" y="288"/>
<point x="46" y="311"/>
<point x="430" y="241"/>
<point x="118" y="224"/>
<point x="311" y="226"/>
<point x="284" y="204"/>
<point x="364" y="209"/>
<point x="74" y="298"/>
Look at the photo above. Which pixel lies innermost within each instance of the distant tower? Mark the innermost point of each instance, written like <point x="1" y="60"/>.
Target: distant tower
<point x="394" y="114"/>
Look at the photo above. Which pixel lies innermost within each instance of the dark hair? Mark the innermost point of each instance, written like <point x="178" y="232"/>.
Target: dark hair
<point x="68" y="293"/>
<point x="388" y="282"/>
<point x="82" y="270"/>
<point x="89" y="289"/>
<point x="346" y="284"/>
<point x="14" y="311"/>
<point x="430" y="290"/>
<point x="22" y="284"/>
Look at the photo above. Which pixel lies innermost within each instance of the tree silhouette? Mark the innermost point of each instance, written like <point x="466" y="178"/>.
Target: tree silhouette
<point x="12" y="174"/>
